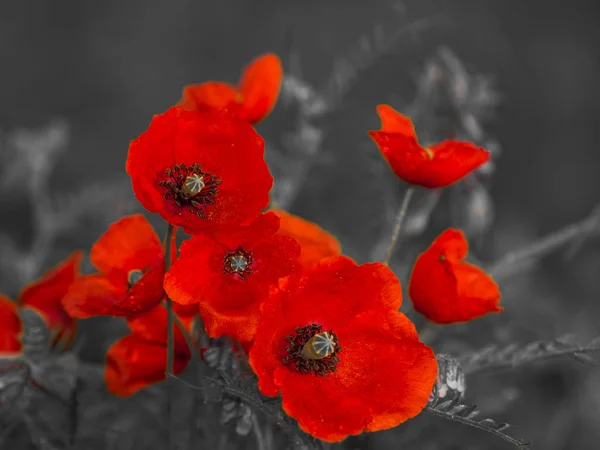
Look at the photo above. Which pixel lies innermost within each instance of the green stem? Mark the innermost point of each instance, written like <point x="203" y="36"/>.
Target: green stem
<point x="170" y="343"/>
<point x="399" y="221"/>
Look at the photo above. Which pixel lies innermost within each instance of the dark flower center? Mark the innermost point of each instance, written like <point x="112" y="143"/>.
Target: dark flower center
<point x="133" y="277"/>
<point x="238" y="262"/>
<point x="191" y="187"/>
<point x="312" y="350"/>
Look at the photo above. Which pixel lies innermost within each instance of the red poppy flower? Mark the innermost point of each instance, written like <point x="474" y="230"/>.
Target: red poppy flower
<point x="200" y="170"/>
<point x="445" y="288"/>
<point x="344" y="360"/>
<point x="253" y="98"/>
<point x="433" y="167"/>
<point x="46" y="294"/>
<point x="130" y="259"/>
<point x="139" y="359"/>
<point x="315" y="242"/>
<point x="230" y="274"/>
<point x="10" y="328"/>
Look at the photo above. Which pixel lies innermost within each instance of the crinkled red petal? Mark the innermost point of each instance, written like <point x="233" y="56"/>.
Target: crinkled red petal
<point x="45" y="296"/>
<point x="315" y="243"/>
<point x="129" y="244"/>
<point x="133" y="363"/>
<point x="259" y="85"/>
<point x="223" y="145"/>
<point x="445" y="289"/>
<point x="92" y="295"/>
<point x="212" y="94"/>
<point x="10" y="327"/>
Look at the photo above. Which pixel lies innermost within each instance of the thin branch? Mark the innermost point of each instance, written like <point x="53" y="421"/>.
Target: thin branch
<point x="398" y="223"/>
<point x="513" y="260"/>
<point x="260" y="439"/>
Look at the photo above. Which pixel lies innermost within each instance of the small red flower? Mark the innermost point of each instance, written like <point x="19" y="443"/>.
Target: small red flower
<point x="344" y="360"/>
<point x="315" y="242"/>
<point x="130" y="259"/>
<point x="230" y="274"/>
<point x="139" y="359"/>
<point x="10" y="328"/>
<point x="46" y="294"/>
<point x="252" y="100"/>
<point x="433" y="167"/>
<point x="200" y="169"/>
<point x="445" y="288"/>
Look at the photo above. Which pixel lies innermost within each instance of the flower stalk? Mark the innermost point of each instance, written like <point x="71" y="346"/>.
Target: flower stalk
<point x="170" y="342"/>
<point x="398" y="223"/>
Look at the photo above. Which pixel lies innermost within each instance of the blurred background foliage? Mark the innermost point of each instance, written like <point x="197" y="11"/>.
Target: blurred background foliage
<point x="104" y="68"/>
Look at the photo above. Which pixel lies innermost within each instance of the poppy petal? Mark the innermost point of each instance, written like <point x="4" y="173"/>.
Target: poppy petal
<point x="212" y="94"/>
<point x="446" y="289"/>
<point x="133" y="363"/>
<point x="45" y="296"/>
<point x="10" y="327"/>
<point x="92" y="295"/>
<point x="259" y="85"/>
<point x="394" y="122"/>
<point x="129" y="244"/>
<point x="315" y="243"/>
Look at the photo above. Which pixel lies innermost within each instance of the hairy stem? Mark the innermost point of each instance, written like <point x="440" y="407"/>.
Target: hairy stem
<point x="506" y="265"/>
<point x="398" y="223"/>
<point x="170" y="342"/>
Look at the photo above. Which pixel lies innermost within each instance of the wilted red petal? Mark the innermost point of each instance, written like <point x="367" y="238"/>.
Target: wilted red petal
<point x="229" y="300"/>
<point x="446" y="289"/>
<point x="45" y="296"/>
<point x="315" y="242"/>
<point x="223" y="146"/>
<point x="133" y="363"/>
<point x="129" y="244"/>
<point x="10" y="327"/>
<point x="212" y="94"/>
<point x="384" y="375"/>
<point x="433" y="167"/>
<point x="259" y="86"/>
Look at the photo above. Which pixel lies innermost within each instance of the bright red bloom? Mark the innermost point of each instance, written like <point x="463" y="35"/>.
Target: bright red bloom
<point x="445" y="288"/>
<point x="10" y="328"/>
<point x="315" y="242"/>
<point x="46" y="294"/>
<point x="130" y="259"/>
<point x="433" y="167"/>
<point x="230" y="274"/>
<point x="344" y="360"/>
<point x="200" y="169"/>
<point x="139" y="359"/>
<point x="253" y="98"/>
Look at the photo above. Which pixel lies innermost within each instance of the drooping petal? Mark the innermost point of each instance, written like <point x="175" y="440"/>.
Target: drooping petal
<point x="259" y="86"/>
<point x="10" y="327"/>
<point x="315" y="242"/>
<point x="92" y="295"/>
<point x="45" y="296"/>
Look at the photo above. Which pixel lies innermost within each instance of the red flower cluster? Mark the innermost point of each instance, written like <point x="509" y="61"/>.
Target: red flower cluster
<point x="322" y="331"/>
<point x="44" y="296"/>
